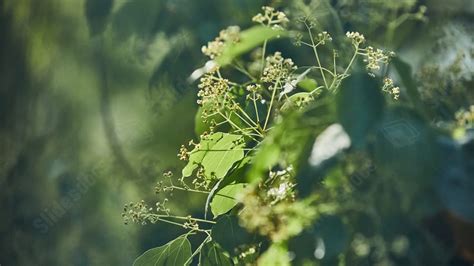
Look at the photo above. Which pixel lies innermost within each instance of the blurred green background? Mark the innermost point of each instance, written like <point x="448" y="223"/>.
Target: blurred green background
<point x="94" y="105"/>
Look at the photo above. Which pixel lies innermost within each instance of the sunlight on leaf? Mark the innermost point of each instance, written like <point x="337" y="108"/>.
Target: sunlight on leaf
<point x="225" y="199"/>
<point x="176" y="252"/>
<point x="213" y="255"/>
<point x="216" y="154"/>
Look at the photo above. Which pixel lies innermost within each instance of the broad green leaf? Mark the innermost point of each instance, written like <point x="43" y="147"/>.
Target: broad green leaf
<point x="276" y="255"/>
<point x="225" y="199"/>
<point x="175" y="252"/>
<point x="213" y="255"/>
<point x="229" y="234"/>
<point x="360" y="105"/>
<point x="237" y="174"/>
<point x="249" y="39"/>
<point x="216" y="154"/>
<point x="308" y="84"/>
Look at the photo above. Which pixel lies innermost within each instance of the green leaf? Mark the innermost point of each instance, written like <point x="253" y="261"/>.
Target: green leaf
<point x="213" y="255"/>
<point x="308" y="84"/>
<point x="360" y="105"/>
<point x="249" y="39"/>
<point x="216" y="154"/>
<point x="237" y="175"/>
<point x="175" y="252"/>
<point x="229" y="234"/>
<point x="225" y="200"/>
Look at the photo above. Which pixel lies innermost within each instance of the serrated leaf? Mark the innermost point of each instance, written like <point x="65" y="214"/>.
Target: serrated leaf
<point x="213" y="255"/>
<point x="216" y="154"/>
<point x="225" y="199"/>
<point x="175" y="252"/>
<point x="249" y="39"/>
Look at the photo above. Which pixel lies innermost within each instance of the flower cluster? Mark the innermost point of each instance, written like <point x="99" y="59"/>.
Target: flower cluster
<point x="375" y="57"/>
<point x="280" y="221"/>
<point x="323" y="37"/>
<point x="390" y="88"/>
<point x="140" y="212"/>
<point x="254" y="92"/>
<point x="357" y="38"/>
<point x="201" y="181"/>
<point x="282" y="187"/>
<point x="277" y="68"/>
<point x="183" y="154"/>
<point x="212" y="89"/>
<point x="215" y="48"/>
<point x="271" y="17"/>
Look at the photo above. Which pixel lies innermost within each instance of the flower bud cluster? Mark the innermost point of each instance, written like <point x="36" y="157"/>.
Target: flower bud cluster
<point x="390" y="88"/>
<point x="277" y="68"/>
<point x="271" y="17"/>
<point x="375" y="57"/>
<point x="356" y="38"/>
<point x="215" y="48"/>
<point x="212" y="89"/>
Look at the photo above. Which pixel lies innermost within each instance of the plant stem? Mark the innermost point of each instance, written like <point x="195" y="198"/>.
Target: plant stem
<point x="235" y="126"/>
<point x="356" y="52"/>
<point x="256" y="109"/>
<point x="264" y="50"/>
<point x="189" y="189"/>
<point x="184" y="218"/>
<point x="243" y="71"/>
<point x="271" y="104"/>
<point x="198" y="249"/>
<point x="315" y="51"/>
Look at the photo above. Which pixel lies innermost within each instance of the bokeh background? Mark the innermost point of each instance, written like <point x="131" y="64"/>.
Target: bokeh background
<point x="94" y="104"/>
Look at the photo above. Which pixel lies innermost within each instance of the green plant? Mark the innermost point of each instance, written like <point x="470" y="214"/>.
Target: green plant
<point x="288" y="154"/>
<point x="234" y="120"/>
